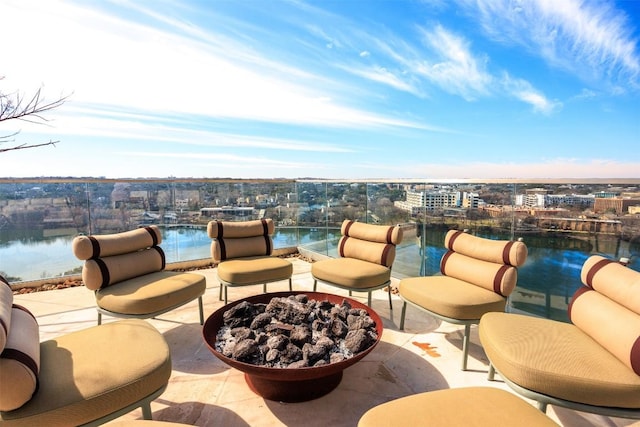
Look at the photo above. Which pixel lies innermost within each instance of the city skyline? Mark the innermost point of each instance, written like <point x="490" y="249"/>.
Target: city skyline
<point x="291" y="89"/>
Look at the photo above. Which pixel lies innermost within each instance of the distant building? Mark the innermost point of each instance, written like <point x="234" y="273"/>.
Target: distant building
<point x="416" y="201"/>
<point x="619" y="205"/>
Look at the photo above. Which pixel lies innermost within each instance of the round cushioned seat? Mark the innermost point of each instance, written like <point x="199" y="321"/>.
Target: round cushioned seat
<point x="252" y="270"/>
<point x="92" y="373"/>
<point x="450" y="297"/>
<point x="135" y="296"/>
<point x="351" y="273"/>
<point x="563" y="362"/>
<point x="477" y="406"/>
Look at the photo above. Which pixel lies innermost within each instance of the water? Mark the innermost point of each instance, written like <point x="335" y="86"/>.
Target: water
<point x="30" y="255"/>
<point x="545" y="283"/>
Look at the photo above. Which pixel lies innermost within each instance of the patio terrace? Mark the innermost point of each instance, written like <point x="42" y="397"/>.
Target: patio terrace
<point x="203" y="391"/>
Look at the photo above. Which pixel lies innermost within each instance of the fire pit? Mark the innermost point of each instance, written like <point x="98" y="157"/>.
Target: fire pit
<point x="288" y="384"/>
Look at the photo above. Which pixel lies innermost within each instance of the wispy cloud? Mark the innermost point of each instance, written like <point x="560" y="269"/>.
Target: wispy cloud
<point x="525" y="92"/>
<point x="588" y="38"/>
<point x="456" y="69"/>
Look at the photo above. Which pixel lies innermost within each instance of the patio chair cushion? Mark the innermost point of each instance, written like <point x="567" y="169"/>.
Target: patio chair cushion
<point x="250" y="270"/>
<point x="557" y="359"/>
<point x="106" y="271"/>
<point x="496" y="251"/>
<point x="239" y="229"/>
<point x="351" y="273"/>
<point x="240" y="239"/>
<point x="368" y="242"/>
<point x="6" y="301"/>
<point x="610" y="278"/>
<point x="95" y="246"/>
<point x="84" y="376"/>
<point x="451" y="297"/>
<point x="614" y="327"/>
<point x="472" y="406"/>
<point x="151" y="292"/>
<point x="499" y="278"/>
<point x="19" y="360"/>
<point x="607" y="308"/>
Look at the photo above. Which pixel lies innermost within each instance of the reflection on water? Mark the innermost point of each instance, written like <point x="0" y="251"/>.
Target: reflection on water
<point x="545" y="283"/>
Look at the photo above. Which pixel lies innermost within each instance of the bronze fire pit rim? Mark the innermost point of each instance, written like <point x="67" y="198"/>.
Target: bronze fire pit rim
<point x="214" y="322"/>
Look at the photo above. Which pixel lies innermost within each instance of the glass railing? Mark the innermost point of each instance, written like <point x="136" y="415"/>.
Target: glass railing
<point x="40" y="217"/>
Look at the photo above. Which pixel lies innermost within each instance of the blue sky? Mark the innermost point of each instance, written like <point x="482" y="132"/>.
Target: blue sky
<point x="355" y="89"/>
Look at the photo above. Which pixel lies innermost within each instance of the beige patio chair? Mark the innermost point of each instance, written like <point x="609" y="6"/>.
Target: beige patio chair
<point x="367" y="252"/>
<point x="82" y="378"/>
<point x="477" y="276"/>
<point x="465" y="406"/>
<point x="591" y="364"/>
<point x="127" y="273"/>
<point x="243" y="252"/>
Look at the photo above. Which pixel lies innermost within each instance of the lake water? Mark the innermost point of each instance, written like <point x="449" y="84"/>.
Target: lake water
<point x="545" y="283"/>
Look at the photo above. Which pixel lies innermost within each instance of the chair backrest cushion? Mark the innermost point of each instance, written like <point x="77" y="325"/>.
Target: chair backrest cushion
<point x="613" y="280"/>
<point x="88" y="247"/>
<point x="106" y="271"/>
<point x="238" y="229"/>
<point x="19" y="360"/>
<point x="6" y="301"/>
<point x="605" y="308"/>
<point x="369" y="242"/>
<point x="391" y="234"/>
<point x="499" y="278"/>
<point x="496" y="251"/>
<point x="240" y="239"/>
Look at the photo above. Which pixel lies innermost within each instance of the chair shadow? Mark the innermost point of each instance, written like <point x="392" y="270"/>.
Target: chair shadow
<point x="387" y="373"/>
<point x="189" y="352"/>
<point x="199" y="414"/>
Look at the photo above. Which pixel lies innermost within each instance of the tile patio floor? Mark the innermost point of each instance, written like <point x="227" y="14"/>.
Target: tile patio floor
<point x="203" y="391"/>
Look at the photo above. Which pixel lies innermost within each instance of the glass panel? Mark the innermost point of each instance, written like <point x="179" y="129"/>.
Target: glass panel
<point x="561" y="223"/>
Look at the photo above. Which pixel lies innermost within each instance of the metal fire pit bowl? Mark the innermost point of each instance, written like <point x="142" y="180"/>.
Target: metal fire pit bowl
<point x="288" y="384"/>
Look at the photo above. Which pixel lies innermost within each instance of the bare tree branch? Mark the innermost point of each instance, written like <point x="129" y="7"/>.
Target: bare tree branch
<point x="15" y="106"/>
<point x="23" y="146"/>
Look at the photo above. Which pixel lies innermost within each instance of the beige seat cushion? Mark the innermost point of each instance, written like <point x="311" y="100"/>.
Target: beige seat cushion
<point x="467" y="406"/>
<point x="249" y="270"/>
<point x="151" y="293"/>
<point x="450" y="297"/>
<point x="562" y="362"/>
<point x="351" y="273"/>
<point x="91" y="373"/>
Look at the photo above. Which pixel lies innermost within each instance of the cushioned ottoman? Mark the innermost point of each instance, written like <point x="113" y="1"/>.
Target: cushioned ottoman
<point x="477" y="406"/>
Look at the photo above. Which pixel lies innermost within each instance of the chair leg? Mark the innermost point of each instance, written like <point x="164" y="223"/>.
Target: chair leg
<point x="290" y="285"/>
<point x="404" y="312"/>
<point x="220" y="295"/>
<point x="99" y="318"/>
<point x="264" y="288"/>
<point x="542" y="406"/>
<point x="315" y="284"/>
<point x="201" y="308"/>
<point x="225" y="295"/>
<point x="390" y="303"/>
<point x="465" y="346"/>
<point x="146" y="411"/>
<point x="368" y="298"/>
<point x="492" y="372"/>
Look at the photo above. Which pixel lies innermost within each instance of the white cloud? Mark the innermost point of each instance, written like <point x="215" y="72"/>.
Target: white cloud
<point x="588" y="38"/>
<point x="456" y="70"/>
<point x="123" y="64"/>
<point x="525" y="92"/>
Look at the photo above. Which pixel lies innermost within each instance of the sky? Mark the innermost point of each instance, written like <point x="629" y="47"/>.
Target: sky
<point x="336" y="89"/>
